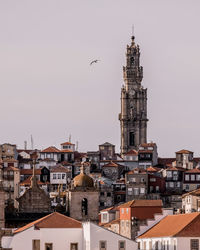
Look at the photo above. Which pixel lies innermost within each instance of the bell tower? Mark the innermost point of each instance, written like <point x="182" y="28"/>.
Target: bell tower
<point x="133" y="116"/>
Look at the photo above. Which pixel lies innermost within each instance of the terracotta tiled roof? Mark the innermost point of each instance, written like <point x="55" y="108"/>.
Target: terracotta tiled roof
<point x="195" y="170"/>
<point x="137" y="171"/>
<point x="60" y="169"/>
<point x="151" y="144"/>
<point x="131" y="152"/>
<point x="145" y="151"/>
<point x="153" y="169"/>
<point x="54" y="220"/>
<point x="30" y="171"/>
<point x="66" y="143"/>
<point x="142" y="203"/>
<point x="51" y="149"/>
<point x="184" y="151"/>
<point x="112" y="164"/>
<point x="112" y="222"/>
<point x="165" y="161"/>
<point x="195" y="192"/>
<point x="10" y="168"/>
<point x="174" y="225"/>
<point x="176" y="169"/>
<point x="27" y="182"/>
<point x="9" y="160"/>
<point x="107" y="209"/>
<point x="106" y="144"/>
<point x="66" y="151"/>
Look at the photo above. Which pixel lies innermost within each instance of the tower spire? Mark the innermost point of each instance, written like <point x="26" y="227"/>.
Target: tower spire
<point x="133" y="116"/>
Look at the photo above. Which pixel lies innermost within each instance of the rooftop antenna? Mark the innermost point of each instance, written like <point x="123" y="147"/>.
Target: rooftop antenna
<point x="133" y="30"/>
<point x="70" y="137"/>
<point x="31" y="142"/>
<point x="25" y="145"/>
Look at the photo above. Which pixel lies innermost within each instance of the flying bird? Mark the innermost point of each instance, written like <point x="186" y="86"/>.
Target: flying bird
<point x="94" y="61"/>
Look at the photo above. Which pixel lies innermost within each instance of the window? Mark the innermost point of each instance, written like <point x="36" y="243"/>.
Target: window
<point x="84" y="206"/>
<point x="122" y="210"/>
<point x="36" y="245"/>
<point x="102" y="245"/>
<point x="150" y="245"/>
<point x="63" y="176"/>
<point x="198" y="177"/>
<point x="142" y="190"/>
<point x="133" y="179"/>
<point x="59" y="176"/>
<point x="187" y="177"/>
<point x="142" y="179"/>
<point x="54" y="176"/>
<point x="194" y="244"/>
<point x="156" y="245"/>
<point x="136" y="191"/>
<point x="131" y="139"/>
<point x="157" y="188"/>
<point x="108" y="194"/>
<point x="48" y="246"/>
<point x="187" y="187"/>
<point x="121" y="245"/>
<point x="130" y="191"/>
<point x="169" y="174"/>
<point x="152" y="179"/>
<point x="144" y="245"/>
<point x="171" y="184"/>
<point x="127" y="210"/>
<point x="74" y="246"/>
<point x="104" y="217"/>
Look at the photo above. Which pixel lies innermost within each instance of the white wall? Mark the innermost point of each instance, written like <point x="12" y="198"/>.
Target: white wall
<point x="60" y="237"/>
<point x="98" y="234"/>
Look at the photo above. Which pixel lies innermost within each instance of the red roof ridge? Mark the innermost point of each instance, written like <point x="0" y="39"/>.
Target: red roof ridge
<point x="66" y="222"/>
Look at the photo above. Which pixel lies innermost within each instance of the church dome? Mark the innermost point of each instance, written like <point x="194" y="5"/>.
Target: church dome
<point x="83" y="180"/>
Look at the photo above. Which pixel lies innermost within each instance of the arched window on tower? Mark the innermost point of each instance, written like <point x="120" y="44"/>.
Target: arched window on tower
<point x="132" y="60"/>
<point x="84" y="207"/>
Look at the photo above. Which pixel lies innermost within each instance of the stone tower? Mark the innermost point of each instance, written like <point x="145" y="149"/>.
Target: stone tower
<point x="133" y="116"/>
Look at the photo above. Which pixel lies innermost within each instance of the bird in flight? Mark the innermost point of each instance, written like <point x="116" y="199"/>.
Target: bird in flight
<point x="94" y="61"/>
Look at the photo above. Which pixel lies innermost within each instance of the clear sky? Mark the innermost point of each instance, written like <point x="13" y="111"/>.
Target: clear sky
<point x="49" y="90"/>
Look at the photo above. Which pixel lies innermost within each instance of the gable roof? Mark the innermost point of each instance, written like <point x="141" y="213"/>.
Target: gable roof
<point x="60" y="169"/>
<point x="194" y="170"/>
<point x="142" y="203"/>
<point x="53" y="220"/>
<point x="184" y="151"/>
<point x="51" y="149"/>
<point x="112" y="164"/>
<point x="195" y="192"/>
<point x="131" y="152"/>
<point x="27" y="182"/>
<point x="66" y="143"/>
<point x="174" y="225"/>
<point x="30" y="171"/>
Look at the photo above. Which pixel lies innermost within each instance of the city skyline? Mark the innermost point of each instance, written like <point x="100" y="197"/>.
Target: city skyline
<point x="50" y="90"/>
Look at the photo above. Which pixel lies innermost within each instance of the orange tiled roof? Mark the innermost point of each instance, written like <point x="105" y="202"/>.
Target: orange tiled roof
<point x="150" y="144"/>
<point x="117" y="221"/>
<point x="184" y="151"/>
<point x="195" y="192"/>
<point x="137" y="171"/>
<point x="131" y="152"/>
<point x="60" y="169"/>
<point x="142" y="203"/>
<point x="176" y="169"/>
<point x="27" y="182"/>
<point x="9" y="160"/>
<point x="10" y="168"/>
<point x="66" y="143"/>
<point x="144" y="151"/>
<point x="66" y="151"/>
<point x="54" y="220"/>
<point x="51" y="149"/>
<point x="112" y="164"/>
<point x="153" y="169"/>
<point x="195" y="170"/>
<point x="174" y="225"/>
<point x="30" y="171"/>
